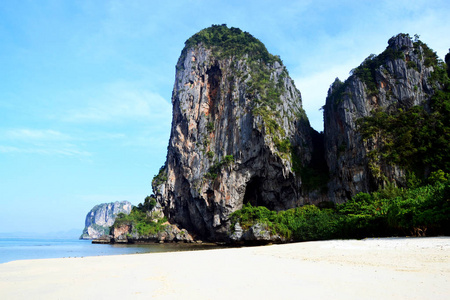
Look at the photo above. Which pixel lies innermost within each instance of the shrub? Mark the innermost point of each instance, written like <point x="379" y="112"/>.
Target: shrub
<point x="210" y="126"/>
<point x="391" y="211"/>
<point x="227" y="42"/>
<point x="161" y="177"/>
<point x="149" y="204"/>
<point x="412" y="65"/>
<point x="140" y="222"/>
<point x="215" y="169"/>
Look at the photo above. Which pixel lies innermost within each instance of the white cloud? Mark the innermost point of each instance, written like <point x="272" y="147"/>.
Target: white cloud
<point x="39" y="141"/>
<point x="9" y="149"/>
<point x="96" y="136"/>
<point x="36" y="134"/>
<point x="66" y="150"/>
<point x="121" y="102"/>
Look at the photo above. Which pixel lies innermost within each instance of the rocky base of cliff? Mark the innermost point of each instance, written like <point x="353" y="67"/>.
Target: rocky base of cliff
<point x="171" y="234"/>
<point x="256" y="234"/>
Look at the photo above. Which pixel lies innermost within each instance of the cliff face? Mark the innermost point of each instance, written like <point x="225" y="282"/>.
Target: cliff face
<point x="398" y="78"/>
<point x="238" y="132"/>
<point x="102" y="217"/>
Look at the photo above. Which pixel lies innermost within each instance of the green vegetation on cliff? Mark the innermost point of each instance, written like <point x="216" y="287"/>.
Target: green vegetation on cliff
<point x="392" y="211"/>
<point x="161" y="177"/>
<point x="142" y="219"/>
<point x="230" y="42"/>
<point x="264" y="86"/>
<point x="417" y="139"/>
<point x="143" y="224"/>
<point x="366" y="72"/>
<point x="215" y="169"/>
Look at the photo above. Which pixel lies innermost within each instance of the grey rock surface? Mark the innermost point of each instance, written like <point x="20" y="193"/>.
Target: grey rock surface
<point x="258" y="233"/>
<point x="101" y="217"/>
<point x="125" y="233"/>
<point x="400" y="83"/>
<point x="239" y="135"/>
<point x="224" y="149"/>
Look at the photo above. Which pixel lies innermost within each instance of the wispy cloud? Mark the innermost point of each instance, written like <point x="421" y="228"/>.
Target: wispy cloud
<point x="39" y="141"/>
<point x="36" y="134"/>
<point x="120" y="102"/>
<point x="67" y="150"/>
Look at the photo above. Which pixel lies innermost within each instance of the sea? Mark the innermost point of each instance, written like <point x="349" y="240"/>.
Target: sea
<point x="12" y="249"/>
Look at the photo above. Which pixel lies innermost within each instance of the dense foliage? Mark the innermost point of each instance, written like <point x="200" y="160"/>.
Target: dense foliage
<point x="141" y="218"/>
<point x="416" y="139"/>
<point x="161" y="177"/>
<point x="366" y="71"/>
<point x="227" y="42"/>
<point x="388" y="212"/>
<point x="262" y="87"/>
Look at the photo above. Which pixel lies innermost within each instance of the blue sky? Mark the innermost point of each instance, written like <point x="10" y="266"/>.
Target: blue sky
<point x="85" y="86"/>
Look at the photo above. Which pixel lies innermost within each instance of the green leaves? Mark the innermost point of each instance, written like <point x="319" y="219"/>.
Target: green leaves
<point x="141" y="222"/>
<point x="228" y="42"/>
<point x="215" y="169"/>
<point x="301" y="224"/>
<point x="388" y="212"/>
<point x="414" y="139"/>
<point x="366" y="71"/>
<point x="161" y="177"/>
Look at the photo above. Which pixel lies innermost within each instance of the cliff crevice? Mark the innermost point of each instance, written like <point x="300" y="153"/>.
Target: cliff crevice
<point x="240" y="136"/>
<point x="237" y="117"/>
<point x="397" y="79"/>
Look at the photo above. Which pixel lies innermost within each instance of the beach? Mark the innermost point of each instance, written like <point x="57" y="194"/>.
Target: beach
<point x="385" y="268"/>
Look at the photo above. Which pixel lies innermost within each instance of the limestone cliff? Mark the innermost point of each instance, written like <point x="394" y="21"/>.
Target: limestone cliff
<point x="238" y="133"/>
<point x="101" y="217"/>
<point x="397" y="79"/>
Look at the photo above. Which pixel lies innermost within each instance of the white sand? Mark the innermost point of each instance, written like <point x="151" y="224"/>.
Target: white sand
<point x="394" y="268"/>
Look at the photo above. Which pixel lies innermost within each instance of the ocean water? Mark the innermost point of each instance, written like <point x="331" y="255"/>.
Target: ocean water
<point x="25" y="248"/>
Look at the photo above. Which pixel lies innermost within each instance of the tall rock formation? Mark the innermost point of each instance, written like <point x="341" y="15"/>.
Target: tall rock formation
<point x="238" y="132"/>
<point x="101" y="217"/>
<point x="398" y="78"/>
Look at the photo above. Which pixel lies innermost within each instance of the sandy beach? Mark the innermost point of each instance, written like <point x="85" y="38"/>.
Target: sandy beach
<point x="388" y="268"/>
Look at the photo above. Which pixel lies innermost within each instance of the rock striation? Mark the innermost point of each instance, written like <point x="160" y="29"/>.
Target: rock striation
<point x="238" y="134"/>
<point x="101" y="217"/>
<point x="398" y="78"/>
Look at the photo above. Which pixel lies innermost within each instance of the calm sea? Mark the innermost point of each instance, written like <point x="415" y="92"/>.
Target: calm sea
<point x="25" y="248"/>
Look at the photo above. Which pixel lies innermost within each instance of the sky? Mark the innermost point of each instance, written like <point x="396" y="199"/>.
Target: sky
<point x="85" y="86"/>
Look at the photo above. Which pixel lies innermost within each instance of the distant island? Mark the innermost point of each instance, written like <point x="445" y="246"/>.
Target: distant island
<point x="101" y="217"/>
<point x="245" y="166"/>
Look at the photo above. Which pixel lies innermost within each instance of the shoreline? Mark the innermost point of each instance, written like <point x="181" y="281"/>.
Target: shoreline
<point x="376" y="268"/>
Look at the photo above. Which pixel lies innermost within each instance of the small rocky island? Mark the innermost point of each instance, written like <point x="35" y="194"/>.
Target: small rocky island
<point x="101" y="217"/>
